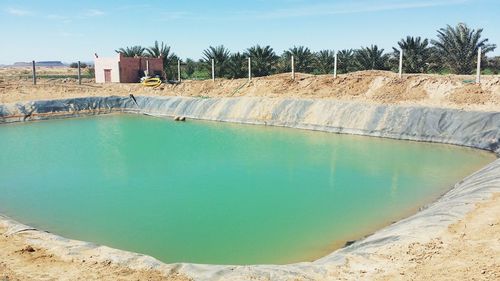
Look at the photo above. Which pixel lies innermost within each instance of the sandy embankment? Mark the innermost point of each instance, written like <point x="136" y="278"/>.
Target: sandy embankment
<point x="467" y="250"/>
<point x="451" y="91"/>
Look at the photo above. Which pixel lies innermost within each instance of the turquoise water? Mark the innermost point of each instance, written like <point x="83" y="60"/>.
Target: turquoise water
<point x="217" y="193"/>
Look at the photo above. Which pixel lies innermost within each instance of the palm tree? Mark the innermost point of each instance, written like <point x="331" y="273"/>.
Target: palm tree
<point x="264" y="60"/>
<point x="416" y="54"/>
<point x="133" y="51"/>
<point x="494" y="64"/>
<point x="324" y="61"/>
<point x="236" y="65"/>
<point x="371" y="58"/>
<point x="220" y="55"/>
<point x="169" y="59"/>
<point x="435" y="62"/>
<point x="346" y="61"/>
<point x="458" y="46"/>
<point x="303" y="59"/>
<point x="190" y="67"/>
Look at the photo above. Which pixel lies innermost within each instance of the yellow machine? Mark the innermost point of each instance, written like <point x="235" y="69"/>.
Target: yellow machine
<point x="151" y="82"/>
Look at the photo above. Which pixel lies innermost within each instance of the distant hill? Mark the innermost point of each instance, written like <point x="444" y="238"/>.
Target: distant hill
<point x="40" y="63"/>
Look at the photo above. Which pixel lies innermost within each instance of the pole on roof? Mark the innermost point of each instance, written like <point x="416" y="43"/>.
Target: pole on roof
<point x="478" y="71"/>
<point x="34" y="73"/>
<point x="79" y="73"/>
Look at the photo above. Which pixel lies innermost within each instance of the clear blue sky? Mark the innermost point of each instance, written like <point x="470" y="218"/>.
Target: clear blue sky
<point x="74" y="30"/>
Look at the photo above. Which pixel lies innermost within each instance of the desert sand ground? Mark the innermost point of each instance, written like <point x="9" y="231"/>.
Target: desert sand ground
<point x="467" y="250"/>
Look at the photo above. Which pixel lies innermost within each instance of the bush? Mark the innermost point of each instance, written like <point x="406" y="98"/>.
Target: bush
<point x="75" y="65"/>
<point x="91" y="71"/>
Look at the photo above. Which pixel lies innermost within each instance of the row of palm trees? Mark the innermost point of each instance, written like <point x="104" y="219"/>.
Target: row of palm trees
<point x="455" y="50"/>
<point x="155" y="51"/>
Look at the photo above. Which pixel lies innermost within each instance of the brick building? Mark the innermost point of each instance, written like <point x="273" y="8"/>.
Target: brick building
<point x="121" y="69"/>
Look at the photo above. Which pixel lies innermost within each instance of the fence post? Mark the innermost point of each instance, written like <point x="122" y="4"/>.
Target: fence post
<point x="335" y="65"/>
<point x="478" y="72"/>
<point x="179" y="70"/>
<point x="34" y="73"/>
<point x="249" y="69"/>
<point x="401" y="63"/>
<point x="293" y="68"/>
<point x="213" y="70"/>
<point x="79" y="73"/>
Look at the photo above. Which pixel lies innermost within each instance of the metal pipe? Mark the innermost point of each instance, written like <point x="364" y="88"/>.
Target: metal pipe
<point x="335" y="65"/>
<point x="213" y="70"/>
<point x="401" y="63"/>
<point x="79" y="73"/>
<point x="478" y="71"/>
<point x="34" y="73"/>
<point x="179" y="70"/>
<point x="249" y="69"/>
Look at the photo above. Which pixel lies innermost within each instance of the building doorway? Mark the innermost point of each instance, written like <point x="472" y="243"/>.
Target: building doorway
<point x="107" y="75"/>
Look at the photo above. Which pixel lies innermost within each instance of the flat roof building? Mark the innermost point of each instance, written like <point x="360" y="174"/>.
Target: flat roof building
<point x="121" y="69"/>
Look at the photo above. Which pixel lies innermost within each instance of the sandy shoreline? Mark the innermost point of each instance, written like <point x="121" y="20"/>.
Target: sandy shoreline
<point x="467" y="250"/>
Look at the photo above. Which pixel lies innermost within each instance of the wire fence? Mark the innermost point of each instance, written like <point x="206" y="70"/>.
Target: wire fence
<point x="246" y="67"/>
<point x="34" y="72"/>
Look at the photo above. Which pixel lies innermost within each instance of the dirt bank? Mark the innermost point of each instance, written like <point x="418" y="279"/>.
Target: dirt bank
<point x="452" y="91"/>
<point x="467" y="250"/>
<point x="21" y="261"/>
